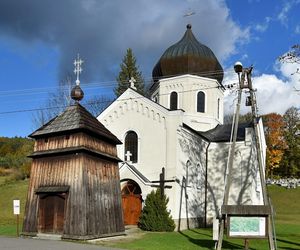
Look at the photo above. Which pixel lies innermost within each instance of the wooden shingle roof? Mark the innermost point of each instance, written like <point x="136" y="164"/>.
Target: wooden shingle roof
<point x="75" y="119"/>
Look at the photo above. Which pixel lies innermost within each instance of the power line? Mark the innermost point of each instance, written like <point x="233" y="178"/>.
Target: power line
<point x="95" y="102"/>
<point x="101" y="84"/>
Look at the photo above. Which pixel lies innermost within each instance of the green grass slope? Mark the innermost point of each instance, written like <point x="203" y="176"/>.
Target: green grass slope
<point x="8" y="193"/>
<point x="286" y="203"/>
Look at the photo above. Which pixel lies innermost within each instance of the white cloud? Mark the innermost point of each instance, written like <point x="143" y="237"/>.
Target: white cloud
<point x="283" y="15"/>
<point x="102" y="30"/>
<point x="273" y="93"/>
<point x="262" y="27"/>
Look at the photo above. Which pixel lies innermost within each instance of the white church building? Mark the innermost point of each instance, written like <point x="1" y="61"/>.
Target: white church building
<point x="180" y="128"/>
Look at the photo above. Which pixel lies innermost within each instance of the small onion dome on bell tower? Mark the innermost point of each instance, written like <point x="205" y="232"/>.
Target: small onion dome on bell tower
<point x="188" y="56"/>
<point x="77" y="93"/>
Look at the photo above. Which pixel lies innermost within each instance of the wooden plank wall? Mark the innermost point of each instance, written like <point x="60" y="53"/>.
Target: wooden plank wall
<point x="93" y="204"/>
<point x="104" y="202"/>
<point x="56" y="171"/>
<point x="74" y="140"/>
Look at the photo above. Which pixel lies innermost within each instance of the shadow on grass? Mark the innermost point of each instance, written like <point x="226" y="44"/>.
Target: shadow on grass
<point x="209" y="244"/>
<point x="197" y="232"/>
<point x="288" y="242"/>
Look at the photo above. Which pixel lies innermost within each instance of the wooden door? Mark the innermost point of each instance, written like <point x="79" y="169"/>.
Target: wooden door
<point x="132" y="203"/>
<point x="51" y="214"/>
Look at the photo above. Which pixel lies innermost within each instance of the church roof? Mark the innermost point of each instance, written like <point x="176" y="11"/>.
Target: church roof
<point x="74" y="119"/>
<point x="136" y="172"/>
<point x="222" y="133"/>
<point x="188" y="56"/>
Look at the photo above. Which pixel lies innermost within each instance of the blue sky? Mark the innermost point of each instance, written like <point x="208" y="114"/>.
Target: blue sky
<point x="40" y="39"/>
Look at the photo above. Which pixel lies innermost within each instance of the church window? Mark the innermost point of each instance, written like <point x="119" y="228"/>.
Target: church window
<point x="131" y="146"/>
<point x="218" y="110"/>
<point x="199" y="176"/>
<point x="201" y="102"/>
<point x="173" y="101"/>
<point x="187" y="173"/>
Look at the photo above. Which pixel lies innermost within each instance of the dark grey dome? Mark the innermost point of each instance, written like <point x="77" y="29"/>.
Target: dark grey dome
<point x="188" y="56"/>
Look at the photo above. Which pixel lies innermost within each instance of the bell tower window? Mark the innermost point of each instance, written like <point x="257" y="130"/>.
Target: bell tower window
<point x="201" y="102"/>
<point x="173" y="101"/>
<point x="131" y="146"/>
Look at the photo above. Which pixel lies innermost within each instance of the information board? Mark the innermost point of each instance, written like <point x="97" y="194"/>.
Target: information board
<point x="16" y="205"/>
<point x="247" y="227"/>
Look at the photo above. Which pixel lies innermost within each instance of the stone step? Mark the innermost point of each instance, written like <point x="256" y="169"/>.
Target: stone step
<point x="44" y="236"/>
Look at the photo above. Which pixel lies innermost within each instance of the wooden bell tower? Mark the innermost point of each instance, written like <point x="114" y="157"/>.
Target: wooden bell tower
<point x="74" y="188"/>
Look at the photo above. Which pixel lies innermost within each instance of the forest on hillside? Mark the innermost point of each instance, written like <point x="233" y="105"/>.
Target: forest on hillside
<point x="13" y="157"/>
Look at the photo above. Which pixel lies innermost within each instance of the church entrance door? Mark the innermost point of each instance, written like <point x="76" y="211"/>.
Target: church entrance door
<point x="132" y="202"/>
<point x="51" y="213"/>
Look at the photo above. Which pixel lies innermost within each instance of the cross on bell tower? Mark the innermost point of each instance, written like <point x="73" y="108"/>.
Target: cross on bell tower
<point x="78" y="69"/>
<point x="77" y="93"/>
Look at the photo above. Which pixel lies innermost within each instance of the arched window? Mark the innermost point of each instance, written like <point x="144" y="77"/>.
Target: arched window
<point x="201" y="102"/>
<point x="131" y="146"/>
<point x="218" y="114"/>
<point x="187" y="173"/>
<point x="173" y="101"/>
<point x="199" y="176"/>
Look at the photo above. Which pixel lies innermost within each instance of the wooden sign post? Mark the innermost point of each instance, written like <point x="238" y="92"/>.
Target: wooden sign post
<point x="16" y="207"/>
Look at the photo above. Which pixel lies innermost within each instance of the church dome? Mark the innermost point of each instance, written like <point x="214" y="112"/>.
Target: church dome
<point x="188" y="56"/>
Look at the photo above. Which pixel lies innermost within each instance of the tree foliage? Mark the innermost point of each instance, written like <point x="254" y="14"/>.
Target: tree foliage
<point x="128" y="69"/>
<point x="13" y="155"/>
<point x="292" y="56"/>
<point x="283" y="143"/>
<point x="291" y="161"/>
<point x="274" y="127"/>
<point x="248" y="117"/>
<point x="155" y="216"/>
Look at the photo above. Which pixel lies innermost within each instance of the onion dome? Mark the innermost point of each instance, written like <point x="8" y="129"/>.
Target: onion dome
<point x="77" y="93"/>
<point x="188" y="56"/>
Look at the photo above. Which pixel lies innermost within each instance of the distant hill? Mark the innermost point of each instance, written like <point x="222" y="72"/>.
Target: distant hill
<point x="13" y="156"/>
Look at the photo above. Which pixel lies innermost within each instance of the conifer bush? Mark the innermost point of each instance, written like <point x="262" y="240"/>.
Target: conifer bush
<point x="155" y="216"/>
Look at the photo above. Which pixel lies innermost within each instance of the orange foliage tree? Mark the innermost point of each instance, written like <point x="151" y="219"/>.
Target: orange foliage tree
<point x="274" y="131"/>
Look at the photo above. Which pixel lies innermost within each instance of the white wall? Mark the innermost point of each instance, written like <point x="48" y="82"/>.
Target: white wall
<point x="245" y="188"/>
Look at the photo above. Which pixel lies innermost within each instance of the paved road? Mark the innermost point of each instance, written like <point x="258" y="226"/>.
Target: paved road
<point x="35" y="244"/>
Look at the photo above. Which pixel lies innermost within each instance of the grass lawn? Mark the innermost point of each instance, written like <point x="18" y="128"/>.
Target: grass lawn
<point x="285" y="201"/>
<point x="287" y="207"/>
<point x="9" y="192"/>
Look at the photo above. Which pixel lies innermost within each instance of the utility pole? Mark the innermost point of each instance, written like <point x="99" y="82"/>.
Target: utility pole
<point x="245" y="82"/>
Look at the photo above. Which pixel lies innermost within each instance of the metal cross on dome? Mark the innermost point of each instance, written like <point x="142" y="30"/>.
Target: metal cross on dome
<point x="78" y="69"/>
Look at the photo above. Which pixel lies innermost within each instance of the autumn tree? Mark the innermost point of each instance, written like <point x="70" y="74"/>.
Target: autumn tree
<point x="129" y="69"/>
<point x="291" y="160"/>
<point x="276" y="144"/>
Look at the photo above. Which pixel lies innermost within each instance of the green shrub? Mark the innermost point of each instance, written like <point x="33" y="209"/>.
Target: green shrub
<point x="155" y="216"/>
